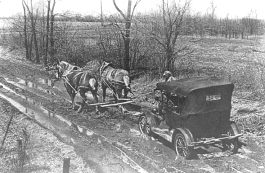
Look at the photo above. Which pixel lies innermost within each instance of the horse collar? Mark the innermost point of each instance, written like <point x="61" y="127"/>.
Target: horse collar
<point x="103" y="68"/>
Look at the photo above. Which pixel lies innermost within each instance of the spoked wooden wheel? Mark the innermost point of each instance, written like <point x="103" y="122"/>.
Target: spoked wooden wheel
<point x="232" y="145"/>
<point x="144" y="127"/>
<point x="181" y="146"/>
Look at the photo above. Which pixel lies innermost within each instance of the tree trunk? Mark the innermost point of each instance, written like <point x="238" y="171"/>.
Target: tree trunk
<point x="33" y="25"/>
<point x="169" y="61"/>
<point x="25" y="32"/>
<point x="51" y="33"/>
<point x="127" y="37"/>
<point x="33" y="30"/>
<point x="47" y="35"/>
<point x="30" y="47"/>
<point x="127" y="47"/>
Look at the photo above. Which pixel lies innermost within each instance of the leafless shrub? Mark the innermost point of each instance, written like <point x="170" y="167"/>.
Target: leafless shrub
<point x="252" y="123"/>
<point x="243" y="77"/>
<point x="14" y="155"/>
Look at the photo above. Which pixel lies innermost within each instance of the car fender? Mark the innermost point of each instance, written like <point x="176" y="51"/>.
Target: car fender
<point x="188" y="135"/>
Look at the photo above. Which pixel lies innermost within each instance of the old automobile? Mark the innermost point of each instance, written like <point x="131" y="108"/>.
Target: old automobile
<point x="196" y="112"/>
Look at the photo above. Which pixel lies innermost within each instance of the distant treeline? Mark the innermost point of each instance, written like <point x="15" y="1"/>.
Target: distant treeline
<point x="193" y="24"/>
<point x="77" y="18"/>
<point x="226" y="27"/>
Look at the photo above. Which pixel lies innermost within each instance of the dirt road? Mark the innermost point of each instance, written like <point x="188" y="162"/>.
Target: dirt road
<point x="111" y="143"/>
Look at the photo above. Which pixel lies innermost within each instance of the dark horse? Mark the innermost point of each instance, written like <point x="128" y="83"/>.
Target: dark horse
<point x="76" y="80"/>
<point x="114" y="79"/>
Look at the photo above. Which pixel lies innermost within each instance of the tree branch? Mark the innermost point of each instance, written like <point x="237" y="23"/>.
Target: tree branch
<point x="118" y="9"/>
<point x="135" y="5"/>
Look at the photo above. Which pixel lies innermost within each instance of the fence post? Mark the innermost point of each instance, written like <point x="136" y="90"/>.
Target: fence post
<point x="66" y="165"/>
<point x="6" y="132"/>
<point x="20" y="156"/>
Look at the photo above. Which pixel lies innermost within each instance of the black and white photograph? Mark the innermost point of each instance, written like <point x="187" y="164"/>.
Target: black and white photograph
<point x="132" y="86"/>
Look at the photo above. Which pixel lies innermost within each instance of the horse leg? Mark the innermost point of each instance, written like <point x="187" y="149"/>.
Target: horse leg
<point x="94" y="93"/>
<point x="73" y="99"/>
<point x="125" y="92"/>
<point x="71" y="93"/>
<point x="119" y="93"/>
<point x="114" y="94"/>
<point x="82" y="93"/>
<point x="104" y="88"/>
<point x="126" y="80"/>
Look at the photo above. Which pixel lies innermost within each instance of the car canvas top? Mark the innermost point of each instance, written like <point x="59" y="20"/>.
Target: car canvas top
<point x="186" y="86"/>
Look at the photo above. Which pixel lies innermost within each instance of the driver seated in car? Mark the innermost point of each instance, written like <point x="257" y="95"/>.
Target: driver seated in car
<point x="167" y="75"/>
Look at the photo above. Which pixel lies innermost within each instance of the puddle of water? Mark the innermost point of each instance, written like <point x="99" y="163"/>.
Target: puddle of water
<point x="7" y="88"/>
<point x="20" y="81"/>
<point x="208" y="168"/>
<point x="29" y="110"/>
<point x="45" y="82"/>
<point x="34" y="109"/>
<point x="25" y="83"/>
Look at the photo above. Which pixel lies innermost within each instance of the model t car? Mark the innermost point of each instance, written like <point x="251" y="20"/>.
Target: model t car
<point x="196" y="112"/>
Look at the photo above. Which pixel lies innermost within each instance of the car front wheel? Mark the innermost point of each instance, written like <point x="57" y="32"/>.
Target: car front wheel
<point x="181" y="146"/>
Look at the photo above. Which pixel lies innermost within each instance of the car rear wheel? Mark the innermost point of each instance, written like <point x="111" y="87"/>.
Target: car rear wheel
<point x="232" y="145"/>
<point x="181" y="146"/>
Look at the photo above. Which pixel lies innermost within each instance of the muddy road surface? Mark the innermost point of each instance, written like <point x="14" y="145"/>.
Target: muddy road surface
<point x="111" y="142"/>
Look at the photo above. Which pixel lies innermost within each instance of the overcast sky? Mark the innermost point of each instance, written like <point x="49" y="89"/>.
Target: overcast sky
<point x="232" y="8"/>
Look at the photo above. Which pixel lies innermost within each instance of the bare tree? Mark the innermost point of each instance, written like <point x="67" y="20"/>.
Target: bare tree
<point x="111" y="43"/>
<point x="26" y="44"/>
<point x="101" y="13"/>
<point x="51" y="31"/>
<point x="212" y="21"/>
<point x="47" y="34"/>
<point x="126" y="35"/>
<point x="33" y="28"/>
<point x="167" y="31"/>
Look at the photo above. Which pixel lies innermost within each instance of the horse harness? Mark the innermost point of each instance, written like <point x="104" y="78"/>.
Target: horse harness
<point x="82" y="77"/>
<point x="111" y="73"/>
